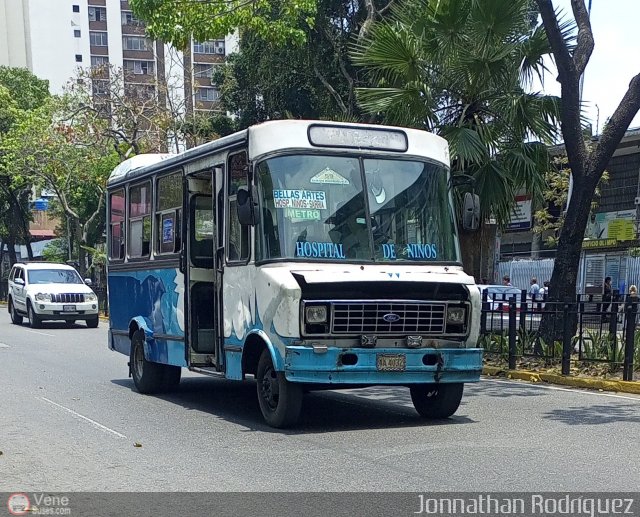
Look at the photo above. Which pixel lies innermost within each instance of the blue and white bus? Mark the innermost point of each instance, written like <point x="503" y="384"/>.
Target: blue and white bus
<point x="306" y="254"/>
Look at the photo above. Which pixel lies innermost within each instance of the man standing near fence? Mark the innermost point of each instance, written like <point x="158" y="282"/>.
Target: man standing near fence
<point x="534" y="289"/>
<point x="506" y="280"/>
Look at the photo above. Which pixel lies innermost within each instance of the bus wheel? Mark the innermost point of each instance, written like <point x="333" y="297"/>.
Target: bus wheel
<point x="280" y="400"/>
<point x="148" y="377"/>
<point x="436" y="400"/>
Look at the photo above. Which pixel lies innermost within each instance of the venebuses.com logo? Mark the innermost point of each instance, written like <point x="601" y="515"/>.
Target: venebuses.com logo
<point x="18" y="504"/>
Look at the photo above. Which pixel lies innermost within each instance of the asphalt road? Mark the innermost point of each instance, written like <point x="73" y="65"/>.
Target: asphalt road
<point x="69" y="419"/>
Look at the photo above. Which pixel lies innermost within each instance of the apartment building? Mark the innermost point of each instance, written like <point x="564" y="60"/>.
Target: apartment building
<point x="53" y="38"/>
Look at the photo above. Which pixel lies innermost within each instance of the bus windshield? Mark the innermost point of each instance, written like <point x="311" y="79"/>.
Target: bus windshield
<point x="315" y="207"/>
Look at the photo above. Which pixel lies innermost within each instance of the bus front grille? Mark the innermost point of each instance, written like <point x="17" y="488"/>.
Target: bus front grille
<point x="388" y="318"/>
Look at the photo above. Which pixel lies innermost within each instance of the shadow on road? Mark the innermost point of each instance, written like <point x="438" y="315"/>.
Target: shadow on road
<point x="502" y="390"/>
<point x="377" y="407"/>
<point x="595" y="415"/>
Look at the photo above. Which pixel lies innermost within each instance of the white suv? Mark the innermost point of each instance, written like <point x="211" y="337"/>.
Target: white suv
<point x="46" y="291"/>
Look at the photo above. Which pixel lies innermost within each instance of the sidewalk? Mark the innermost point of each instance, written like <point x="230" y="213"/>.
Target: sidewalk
<point x="562" y="380"/>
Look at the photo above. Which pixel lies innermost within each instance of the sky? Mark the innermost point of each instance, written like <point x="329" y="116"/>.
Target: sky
<point x="615" y="59"/>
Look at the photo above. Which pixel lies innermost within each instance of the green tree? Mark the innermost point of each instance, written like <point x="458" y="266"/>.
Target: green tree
<point x="315" y="79"/>
<point x="44" y="148"/>
<point x="27" y="90"/>
<point x="571" y="54"/>
<point x="461" y="68"/>
<point x="20" y="91"/>
<point x="177" y="21"/>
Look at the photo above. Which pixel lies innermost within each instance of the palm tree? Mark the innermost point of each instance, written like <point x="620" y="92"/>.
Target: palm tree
<point x="461" y="68"/>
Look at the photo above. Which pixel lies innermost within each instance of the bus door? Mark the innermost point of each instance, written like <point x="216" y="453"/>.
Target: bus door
<point x="201" y="270"/>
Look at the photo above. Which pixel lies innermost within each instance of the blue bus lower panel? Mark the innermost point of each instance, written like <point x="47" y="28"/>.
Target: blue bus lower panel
<point x="302" y="364"/>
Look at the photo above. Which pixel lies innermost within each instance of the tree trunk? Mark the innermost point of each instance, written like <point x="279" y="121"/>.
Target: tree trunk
<point x="477" y="249"/>
<point x="11" y="248"/>
<point x="562" y="287"/>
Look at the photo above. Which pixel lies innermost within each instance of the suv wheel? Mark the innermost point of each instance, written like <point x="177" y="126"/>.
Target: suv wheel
<point x="16" y="319"/>
<point x="34" y="321"/>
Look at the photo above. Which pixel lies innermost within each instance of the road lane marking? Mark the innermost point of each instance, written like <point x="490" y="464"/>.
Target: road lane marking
<point x="41" y="333"/>
<point x="572" y="390"/>
<point x="4" y="345"/>
<point x="76" y="414"/>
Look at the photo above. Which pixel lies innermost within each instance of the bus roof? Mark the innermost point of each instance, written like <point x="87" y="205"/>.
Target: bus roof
<point x="276" y="135"/>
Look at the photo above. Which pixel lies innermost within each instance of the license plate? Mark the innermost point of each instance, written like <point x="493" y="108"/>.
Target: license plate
<point x="391" y="362"/>
<point x="69" y="308"/>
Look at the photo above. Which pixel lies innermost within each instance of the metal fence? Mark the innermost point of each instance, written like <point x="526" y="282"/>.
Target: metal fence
<point x="586" y="329"/>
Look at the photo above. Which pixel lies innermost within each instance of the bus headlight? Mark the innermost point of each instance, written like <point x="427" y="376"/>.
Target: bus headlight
<point x="456" y="315"/>
<point x="315" y="314"/>
<point x="43" y="297"/>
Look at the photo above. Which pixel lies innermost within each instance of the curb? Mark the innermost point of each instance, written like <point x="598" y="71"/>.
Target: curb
<point x="575" y="382"/>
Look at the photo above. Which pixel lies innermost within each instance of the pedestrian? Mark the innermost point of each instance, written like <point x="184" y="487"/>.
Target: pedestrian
<point x="485" y="281"/>
<point x="534" y="288"/>
<point x="544" y="290"/>
<point x="606" y="298"/>
<point x="506" y="280"/>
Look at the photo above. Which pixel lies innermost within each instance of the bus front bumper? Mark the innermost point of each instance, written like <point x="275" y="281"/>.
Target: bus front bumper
<point x="382" y="365"/>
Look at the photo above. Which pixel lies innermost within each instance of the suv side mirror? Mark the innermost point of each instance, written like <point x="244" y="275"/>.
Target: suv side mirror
<point x="248" y="214"/>
<point x="88" y="281"/>
<point x="471" y="212"/>
<point x="19" y="281"/>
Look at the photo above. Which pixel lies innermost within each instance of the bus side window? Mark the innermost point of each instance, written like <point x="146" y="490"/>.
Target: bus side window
<point x="116" y="225"/>
<point x="237" y="235"/>
<point x="139" y="235"/>
<point x="169" y="214"/>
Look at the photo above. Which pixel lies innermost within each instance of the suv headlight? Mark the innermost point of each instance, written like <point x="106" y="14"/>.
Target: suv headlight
<point x="43" y="297"/>
<point x="90" y="297"/>
<point x="316" y="314"/>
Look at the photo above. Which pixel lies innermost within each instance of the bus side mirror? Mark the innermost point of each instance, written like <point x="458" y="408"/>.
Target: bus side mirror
<point x="471" y="212"/>
<point x="248" y="213"/>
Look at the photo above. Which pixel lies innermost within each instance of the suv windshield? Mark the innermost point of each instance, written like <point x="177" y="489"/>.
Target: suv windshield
<point x="314" y="207"/>
<point x="54" y="276"/>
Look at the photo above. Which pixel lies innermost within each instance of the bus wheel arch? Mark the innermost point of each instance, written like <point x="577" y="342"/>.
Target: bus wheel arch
<point x="149" y="377"/>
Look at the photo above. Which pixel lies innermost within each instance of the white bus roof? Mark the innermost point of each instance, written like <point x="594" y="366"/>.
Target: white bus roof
<point x="270" y="137"/>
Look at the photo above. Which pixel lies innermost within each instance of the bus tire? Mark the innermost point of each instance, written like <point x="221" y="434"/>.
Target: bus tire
<point x="16" y="319"/>
<point x="435" y="401"/>
<point x="280" y="400"/>
<point x="148" y="377"/>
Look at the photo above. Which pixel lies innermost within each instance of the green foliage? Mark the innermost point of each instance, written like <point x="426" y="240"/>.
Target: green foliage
<point x="461" y="68"/>
<point x="550" y="218"/>
<point x="8" y="109"/>
<point x="56" y="251"/>
<point x="177" y="21"/>
<point x="27" y="90"/>
<point x="315" y="80"/>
